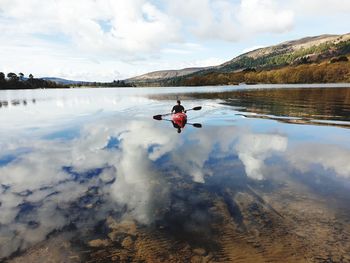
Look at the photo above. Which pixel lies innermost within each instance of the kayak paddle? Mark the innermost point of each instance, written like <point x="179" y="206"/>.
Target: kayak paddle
<point x="195" y="108"/>
<point x="197" y="125"/>
<point x="159" y="117"/>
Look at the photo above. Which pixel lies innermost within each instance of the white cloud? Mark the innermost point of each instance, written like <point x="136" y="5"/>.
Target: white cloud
<point x="324" y="7"/>
<point x="227" y="20"/>
<point x="68" y="37"/>
<point x="134" y="26"/>
<point x="103" y="40"/>
<point x="259" y="16"/>
<point x="139" y="185"/>
<point x="254" y="149"/>
<point x="122" y="28"/>
<point x="330" y="157"/>
<point x="183" y="48"/>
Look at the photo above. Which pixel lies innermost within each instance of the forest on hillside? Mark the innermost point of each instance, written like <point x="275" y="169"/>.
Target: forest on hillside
<point x="336" y="70"/>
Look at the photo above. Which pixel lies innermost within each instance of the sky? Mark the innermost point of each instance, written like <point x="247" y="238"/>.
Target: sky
<point x="106" y="40"/>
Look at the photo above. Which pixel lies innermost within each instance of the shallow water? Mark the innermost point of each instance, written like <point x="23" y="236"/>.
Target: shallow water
<point x="90" y="173"/>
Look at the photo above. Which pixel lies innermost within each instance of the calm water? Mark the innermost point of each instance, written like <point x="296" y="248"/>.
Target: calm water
<point x="88" y="175"/>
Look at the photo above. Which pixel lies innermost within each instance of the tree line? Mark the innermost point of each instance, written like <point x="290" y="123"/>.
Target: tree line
<point x="19" y="81"/>
<point x="113" y="84"/>
<point x="14" y="81"/>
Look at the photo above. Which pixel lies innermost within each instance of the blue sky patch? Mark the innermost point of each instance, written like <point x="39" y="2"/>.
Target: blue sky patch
<point x="67" y="134"/>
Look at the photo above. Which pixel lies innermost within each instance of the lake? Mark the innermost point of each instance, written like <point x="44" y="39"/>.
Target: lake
<point x="259" y="174"/>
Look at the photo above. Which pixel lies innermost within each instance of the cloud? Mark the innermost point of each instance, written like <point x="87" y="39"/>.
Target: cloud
<point x="133" y="26"/>
<point x="120" y="28"/>
<point x="67" y="37"/>
<point x="317" y="7"/>
<point x="41" y="191"/>
<point x="262" y="16"/>
<point x="139" y="185"/>
<point x="330" y="157"/>
<point x="229" y="21"/>
<point x="183" y="48"/>
<point x="103" y="40"/>
<point x="254" y="149"/>
<point x="131" y="177"/>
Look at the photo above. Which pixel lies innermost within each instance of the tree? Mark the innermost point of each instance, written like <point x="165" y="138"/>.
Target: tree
<point x="12" y="76"/>
<point x="31" y="76"/>
<point x="21" y="76"/>
<point x="2" y="77"/>
<point x="339" y="59"/>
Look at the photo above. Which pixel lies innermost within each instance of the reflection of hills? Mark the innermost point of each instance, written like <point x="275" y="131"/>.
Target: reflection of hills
<point x="298" y="121"/>
<point x="307" y="103"/>
<point x="329" y="104"/>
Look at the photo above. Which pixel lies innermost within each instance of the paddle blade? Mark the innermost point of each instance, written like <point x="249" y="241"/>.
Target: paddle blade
<point x="197" y="125"/>
<point x="157" y="117"/>
<point x="197" y="108"/>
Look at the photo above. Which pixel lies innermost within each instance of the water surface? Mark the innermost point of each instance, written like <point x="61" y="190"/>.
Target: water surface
<point x="89" y="175"/>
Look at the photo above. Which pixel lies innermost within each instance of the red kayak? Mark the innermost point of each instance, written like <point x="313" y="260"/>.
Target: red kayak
<point x="179" y="119"/>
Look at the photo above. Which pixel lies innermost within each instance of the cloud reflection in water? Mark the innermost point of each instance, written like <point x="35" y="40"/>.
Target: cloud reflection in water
<point x="53" y="184"/>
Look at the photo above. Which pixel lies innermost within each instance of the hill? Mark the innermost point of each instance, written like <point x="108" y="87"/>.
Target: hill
<point x="64" y="81"/>
<point x="163" y="74"/>
<point x="292" y="61"/>
<point x="309" y="49"/>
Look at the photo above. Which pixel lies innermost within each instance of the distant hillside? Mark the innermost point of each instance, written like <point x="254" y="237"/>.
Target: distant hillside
<point x="163" y="74"/>
<point x="306" y="51"/>
<point x="64" y="81"/>
<point x="75" y="83"/>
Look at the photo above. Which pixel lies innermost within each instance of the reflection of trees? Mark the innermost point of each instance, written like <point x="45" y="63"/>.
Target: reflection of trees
<point x="5" y="103"/>
<point x="329" y="104"/>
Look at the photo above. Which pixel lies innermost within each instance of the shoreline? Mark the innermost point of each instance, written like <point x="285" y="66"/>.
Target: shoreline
<point x="255" y="86"/>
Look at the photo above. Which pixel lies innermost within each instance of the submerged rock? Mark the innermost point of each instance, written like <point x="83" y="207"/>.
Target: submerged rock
<point x="199" y="251"/>
<point x="128" y="243"/>
<point x="99" y="243"/>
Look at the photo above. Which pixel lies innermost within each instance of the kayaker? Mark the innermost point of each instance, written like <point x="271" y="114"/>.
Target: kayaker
<point x="178" y="108"/>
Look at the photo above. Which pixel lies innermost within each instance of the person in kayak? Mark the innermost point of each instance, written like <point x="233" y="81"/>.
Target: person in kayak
<point x="178" y="108"/>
